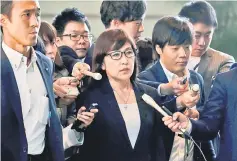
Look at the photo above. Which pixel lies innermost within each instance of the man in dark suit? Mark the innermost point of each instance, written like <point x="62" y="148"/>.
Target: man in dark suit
<point x="73" y="30"/>
<point x="172" y="39"/>
<point x="30" y="127"/>
<point x="219" y="114"/>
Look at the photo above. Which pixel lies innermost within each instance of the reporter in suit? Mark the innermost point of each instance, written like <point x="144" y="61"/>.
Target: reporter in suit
<point x="126" y="128"/>
<point x="172" y="40"/>
<point x="219" y="114"/>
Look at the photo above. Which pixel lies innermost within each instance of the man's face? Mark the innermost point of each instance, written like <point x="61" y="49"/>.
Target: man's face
<point x="23" y="26"/>
<point x="77" y="36"/>
<point x="175" y="58"/>
<point x="133" y="28"/>
<point x="202" y="38"/>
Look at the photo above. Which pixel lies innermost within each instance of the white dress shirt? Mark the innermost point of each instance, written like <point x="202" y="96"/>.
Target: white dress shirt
<point x="192" y="63"/>
<point x="131" y="116"/>
<point x="35" y="103"/>
<point x="178" y="149"/>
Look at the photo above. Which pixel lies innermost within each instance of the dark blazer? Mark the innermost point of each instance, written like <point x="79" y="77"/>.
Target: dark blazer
<point x="13" y="138"/>
<point x="220" y="113"/>
<point x="106" y="139"/>
<point x="70" y="57"/>
<point x="154" y="76"/>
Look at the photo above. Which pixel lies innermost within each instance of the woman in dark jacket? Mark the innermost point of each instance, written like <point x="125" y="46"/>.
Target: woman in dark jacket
<point x="126" y="128"/>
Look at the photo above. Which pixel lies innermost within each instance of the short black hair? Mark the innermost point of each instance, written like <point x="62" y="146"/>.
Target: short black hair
<point x="67" y="15"/>
<point x="199" y="11"/>
<point x="172" y="31"/>
<point x="6" y="8"/>
<point x="121" y="10"/>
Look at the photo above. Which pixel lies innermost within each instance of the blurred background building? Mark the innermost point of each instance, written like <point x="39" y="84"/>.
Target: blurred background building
<point x="225" y="37"/>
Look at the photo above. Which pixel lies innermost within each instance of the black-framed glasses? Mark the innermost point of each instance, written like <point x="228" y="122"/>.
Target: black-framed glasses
<point x="77" y="37"/>
<point x="116" y="55"/>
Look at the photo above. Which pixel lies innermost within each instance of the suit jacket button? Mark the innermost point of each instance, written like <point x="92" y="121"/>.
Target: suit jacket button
<point x="24" y="149"/>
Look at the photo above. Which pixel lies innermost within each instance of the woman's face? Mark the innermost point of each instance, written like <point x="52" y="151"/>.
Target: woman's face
<point x="119" y="64"/>
<point x="50" y="48"/>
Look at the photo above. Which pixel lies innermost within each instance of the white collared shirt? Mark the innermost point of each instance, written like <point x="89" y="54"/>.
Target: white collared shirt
<point x="192" y="63"/>
<point x="34" y="103"/>
<point x="178" y="149"/>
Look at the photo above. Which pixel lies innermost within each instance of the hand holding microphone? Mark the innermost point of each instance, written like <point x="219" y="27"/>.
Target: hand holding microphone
<point x="168" y="119"/>
<point x="82" y="69"/>
<point x="96" y="76"/>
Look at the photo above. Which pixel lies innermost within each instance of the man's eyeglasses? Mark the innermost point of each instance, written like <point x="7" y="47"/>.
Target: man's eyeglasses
<point x="77" y="37"/>
<point x="116" y="55"/>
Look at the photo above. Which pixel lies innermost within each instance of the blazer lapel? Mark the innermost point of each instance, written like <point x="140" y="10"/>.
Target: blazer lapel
<point x="205" y="59"/>
<point x="141" y="106"/>
<point x="9" y="81"/>
<point x="160" y="74"/>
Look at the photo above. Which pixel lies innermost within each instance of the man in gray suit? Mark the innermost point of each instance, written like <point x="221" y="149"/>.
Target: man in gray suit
<point x="205" y="60"/>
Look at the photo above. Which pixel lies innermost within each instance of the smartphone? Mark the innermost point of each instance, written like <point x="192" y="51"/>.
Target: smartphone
<point x="76" y="125"/>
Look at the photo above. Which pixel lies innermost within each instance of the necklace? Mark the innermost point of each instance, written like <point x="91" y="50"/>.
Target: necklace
<point x="124" y="100"/>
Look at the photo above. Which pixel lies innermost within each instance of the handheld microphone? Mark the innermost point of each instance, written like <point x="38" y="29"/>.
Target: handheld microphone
<point x="96" y="76"/>
<point x="77" y="124"/>
<point x="162" y="110"/>
<point x="195" y="89"/>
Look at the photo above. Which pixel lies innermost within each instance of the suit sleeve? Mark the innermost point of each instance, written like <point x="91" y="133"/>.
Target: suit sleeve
<point x="146" y="77"/>
<point x="212" y="116"/>
<point x="69" y="62"/>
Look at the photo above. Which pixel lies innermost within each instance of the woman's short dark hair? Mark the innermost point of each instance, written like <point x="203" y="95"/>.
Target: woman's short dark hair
<point x="122" y="10"/>
<point x="199" y="11"/>
<point x="48" y="31"/>
<point x="172" y="31"/>
<point x="111" y="40"/>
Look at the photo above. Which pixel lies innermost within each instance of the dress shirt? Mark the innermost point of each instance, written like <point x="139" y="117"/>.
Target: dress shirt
<point x="178" y="149"/>
<point x="192" y="63"/>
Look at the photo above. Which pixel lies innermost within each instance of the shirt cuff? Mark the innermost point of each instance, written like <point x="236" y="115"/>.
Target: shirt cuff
<point x="72" y="137"/>
<point x="188" y="130"/>
<point x="159" y="93"/>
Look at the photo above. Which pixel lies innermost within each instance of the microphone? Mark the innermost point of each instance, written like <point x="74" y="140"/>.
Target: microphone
<point x="96" y="76"/>
<point x="195" y="89"/>
<point x="153" y="104"/>
<point x="162" y="110"/>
